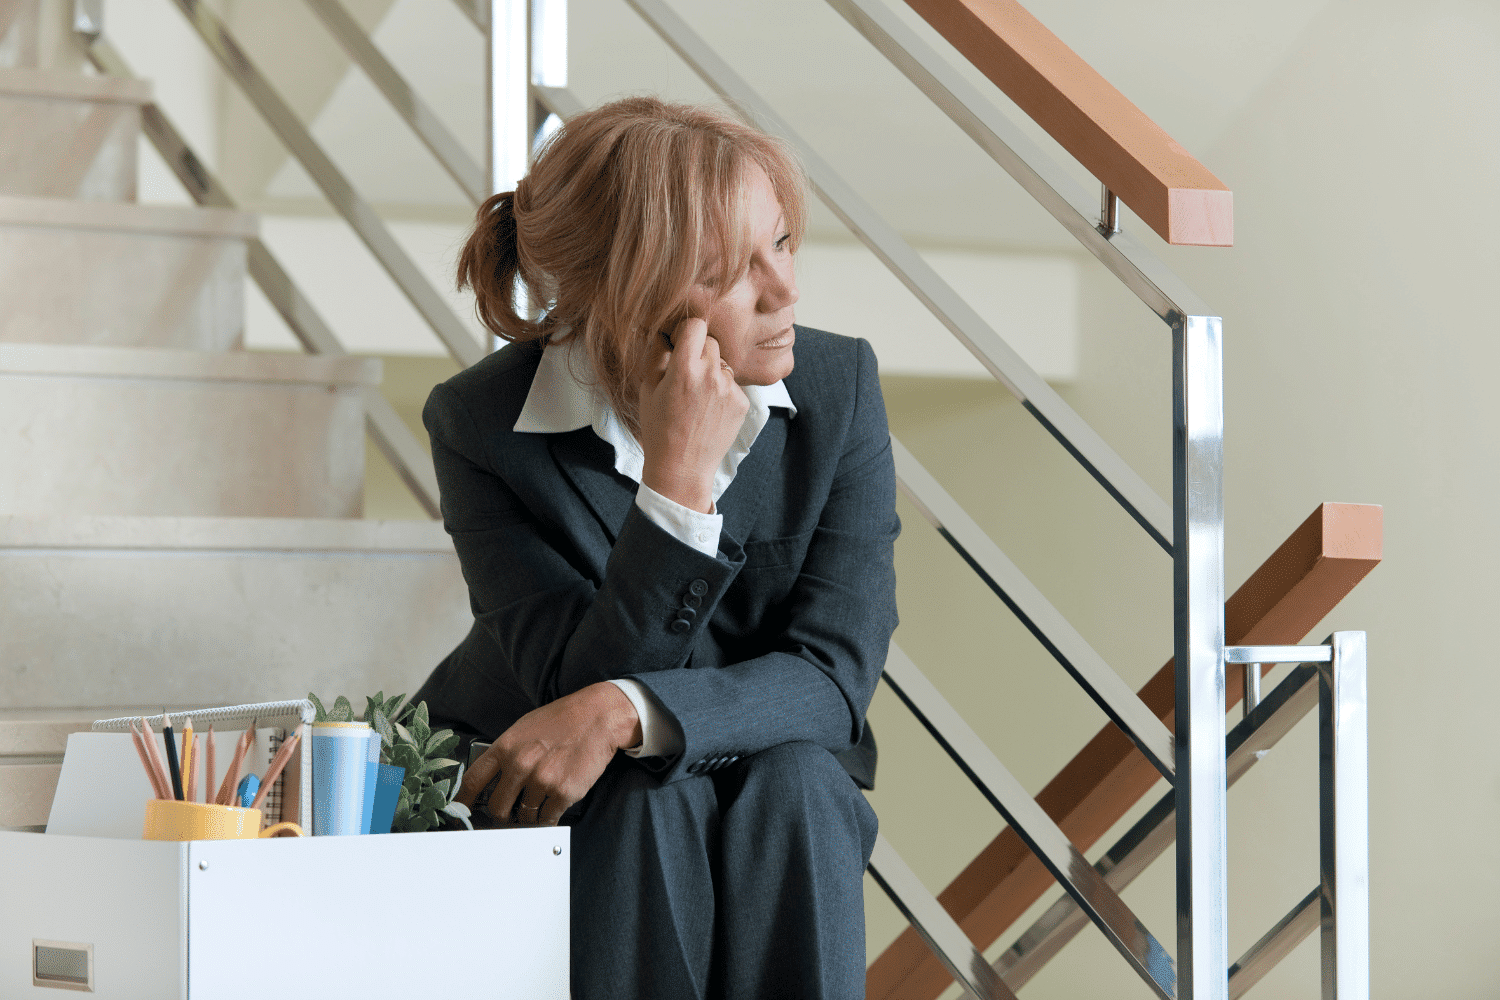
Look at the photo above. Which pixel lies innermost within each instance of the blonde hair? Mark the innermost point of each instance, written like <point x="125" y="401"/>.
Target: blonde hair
<point x="625" y="209"/>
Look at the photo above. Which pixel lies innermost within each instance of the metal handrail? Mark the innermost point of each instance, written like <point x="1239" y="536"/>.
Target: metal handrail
<point x="1138" y="269"/>
<point x="394" y="439"/>
<point x="928" y="918"/>
<point x="1052" y="847"/>
<point x="1123" y="706"/>
<point x="336" y="188"/>
<point x="1153" y="833"/>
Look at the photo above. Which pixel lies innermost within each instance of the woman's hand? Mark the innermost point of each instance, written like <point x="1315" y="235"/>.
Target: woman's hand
<point x="691" y="410"/>
<point x="552" y="756"/>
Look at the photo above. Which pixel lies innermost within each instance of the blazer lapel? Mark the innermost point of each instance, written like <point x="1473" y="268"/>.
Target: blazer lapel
<point x="756" y="484"/>
<point x="589" y="464"/>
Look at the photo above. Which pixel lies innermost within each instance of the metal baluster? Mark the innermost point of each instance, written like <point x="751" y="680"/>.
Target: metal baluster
<point x="1198" y="584"/>
<point x="1344" y="819"/>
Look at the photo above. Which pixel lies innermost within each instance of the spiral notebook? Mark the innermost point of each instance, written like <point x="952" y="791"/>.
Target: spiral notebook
<point x="103" y="789"/>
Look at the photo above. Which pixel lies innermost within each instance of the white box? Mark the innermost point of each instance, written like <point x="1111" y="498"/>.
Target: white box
<point x="481" y="913"/>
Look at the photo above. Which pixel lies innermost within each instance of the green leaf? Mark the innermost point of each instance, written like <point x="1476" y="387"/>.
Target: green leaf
<point x="405" y="735"/>
<point x="405" y="755"/>
<point x="441" y="787"/>
<point x="419" y="725"/>
<point x="442" y="743"/>
<point x="320" y="713"/>
<point x="437" y="764"/>
<point x="373" y="703"/>
<point x="458" y="779"/>
<point x="421" y="822"/>
<point x="391" y="703"/>
<point x="460" y="812"/>
<point x="433" y="799"/>
<point x="382" y="725"/>
<point x="342" y="711"/>
<point x="403" y="799"/>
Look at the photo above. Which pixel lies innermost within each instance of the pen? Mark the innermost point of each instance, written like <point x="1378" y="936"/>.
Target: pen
<point x="173" y="769"/>
<point x="189" y="785"/>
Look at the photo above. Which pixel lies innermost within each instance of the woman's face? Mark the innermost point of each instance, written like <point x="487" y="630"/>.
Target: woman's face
<point x="752" y="318"/>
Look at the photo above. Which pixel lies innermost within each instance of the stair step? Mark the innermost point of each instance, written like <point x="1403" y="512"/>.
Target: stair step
<point x="118" y="274"/>
<point x="118" y="430"/>
<point x="121" y="610"/>
<point x="63" y="135"/>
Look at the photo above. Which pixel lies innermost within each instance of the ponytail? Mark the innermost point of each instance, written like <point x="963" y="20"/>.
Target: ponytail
<point x="490" y="263"/>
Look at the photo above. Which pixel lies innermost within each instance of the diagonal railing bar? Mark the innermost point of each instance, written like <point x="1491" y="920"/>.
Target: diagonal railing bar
<point x="559" y="101"/>
<point x="1053" y="188"/>
<point x="1079" y="878"/>
<point x="1265" y="954"/>
<point x="1123" y="706"/>
<point x="928" y="918"/>
<point x="477" y="11"/>
<point x="1153" y="833"/>
<point x="419" y="117"/>
<point x="331" y="181"/>
<point x="1039" y="398"/>
<point x="394" y="439"/>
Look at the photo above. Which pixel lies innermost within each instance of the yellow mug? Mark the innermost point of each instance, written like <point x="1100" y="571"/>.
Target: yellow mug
<point x="169" y="819"/>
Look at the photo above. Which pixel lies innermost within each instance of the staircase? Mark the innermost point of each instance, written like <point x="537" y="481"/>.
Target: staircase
<point x="180" y="519"/>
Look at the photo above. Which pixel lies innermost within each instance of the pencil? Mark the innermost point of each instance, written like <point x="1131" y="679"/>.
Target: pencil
<point x="208" y="765"/>
<point x="190" y="752"/>
<point x="188" y="749"/>
<point x="278" y="763"/>
<point x="140" y="749"/>
<point x="232" y="776"/>
<point x="174" y="770"/>
<point x="161" y="771"/>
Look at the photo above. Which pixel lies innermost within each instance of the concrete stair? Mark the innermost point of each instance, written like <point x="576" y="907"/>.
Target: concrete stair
<point x="179" y="519"/>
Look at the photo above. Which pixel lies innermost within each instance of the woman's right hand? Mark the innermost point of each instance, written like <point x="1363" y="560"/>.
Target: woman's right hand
<point x="690" y="412"/>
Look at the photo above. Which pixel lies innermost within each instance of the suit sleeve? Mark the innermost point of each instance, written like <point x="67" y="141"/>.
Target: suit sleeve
<point x="818" y="685"/>
<point x="557" y="631"/>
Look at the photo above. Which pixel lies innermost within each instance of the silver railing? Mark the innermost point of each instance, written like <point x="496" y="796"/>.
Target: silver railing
<point x="526" y="74"/>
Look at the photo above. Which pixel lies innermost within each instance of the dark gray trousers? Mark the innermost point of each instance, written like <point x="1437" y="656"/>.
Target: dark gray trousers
<point x="744" y="883"/>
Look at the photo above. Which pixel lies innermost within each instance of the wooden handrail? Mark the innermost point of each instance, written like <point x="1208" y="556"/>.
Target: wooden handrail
<point x="1170" y="191"/>
<point x="1293" y="590"/>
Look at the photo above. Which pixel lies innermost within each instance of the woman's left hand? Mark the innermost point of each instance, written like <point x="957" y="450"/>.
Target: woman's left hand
<point x="552" y="756"/>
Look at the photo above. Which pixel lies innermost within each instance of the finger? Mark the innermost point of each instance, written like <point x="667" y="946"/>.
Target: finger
<point x="552" y="810"/>
<point x="477" y="775"/>
<point x="690" y="340"/>
<point x="507" y="795"/>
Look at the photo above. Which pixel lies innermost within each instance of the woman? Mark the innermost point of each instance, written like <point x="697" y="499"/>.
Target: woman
<point x="678" y="545"/>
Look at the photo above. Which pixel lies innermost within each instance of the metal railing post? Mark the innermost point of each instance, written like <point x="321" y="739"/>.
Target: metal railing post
<point x="1198" y="592"/>
<point x="1344" y="819"/>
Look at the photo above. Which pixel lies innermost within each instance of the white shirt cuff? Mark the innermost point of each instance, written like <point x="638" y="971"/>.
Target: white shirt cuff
<point x="660" y="734"/>
<point x="690" y="527"/>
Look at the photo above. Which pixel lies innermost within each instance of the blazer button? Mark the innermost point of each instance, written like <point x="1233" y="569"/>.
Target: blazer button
<point x="698" y="587"/>
<point x="691" y="600"/>
<point x="681" y="625"/>
<point x="687" y="613"/>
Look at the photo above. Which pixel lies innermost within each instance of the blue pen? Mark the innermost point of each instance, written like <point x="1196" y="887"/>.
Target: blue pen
<point x="246" y="792"/>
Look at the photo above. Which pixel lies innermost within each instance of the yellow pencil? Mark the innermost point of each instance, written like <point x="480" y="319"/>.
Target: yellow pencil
<point x="187" y="760"/>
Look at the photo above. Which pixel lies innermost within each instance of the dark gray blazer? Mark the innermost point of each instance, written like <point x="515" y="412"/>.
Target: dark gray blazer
<point x="786" y="630"/>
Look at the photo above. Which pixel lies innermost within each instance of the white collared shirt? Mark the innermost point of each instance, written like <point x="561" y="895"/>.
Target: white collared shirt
<point x="564" y="397"/>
